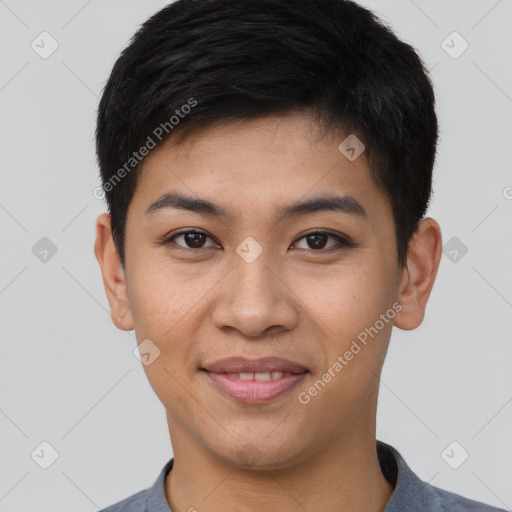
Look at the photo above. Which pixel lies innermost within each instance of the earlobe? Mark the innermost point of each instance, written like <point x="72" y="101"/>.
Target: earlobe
<point x="419" y="274"/>
<point x="114" y="278"/>
<point x="125" y="321"/>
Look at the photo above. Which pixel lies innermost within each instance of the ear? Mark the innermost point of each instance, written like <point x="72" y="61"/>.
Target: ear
<point x="419" y="274"/>
<point x="114" y="279"/>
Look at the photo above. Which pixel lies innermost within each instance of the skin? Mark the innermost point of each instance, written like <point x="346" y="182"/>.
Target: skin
<point x="200" y="305"/>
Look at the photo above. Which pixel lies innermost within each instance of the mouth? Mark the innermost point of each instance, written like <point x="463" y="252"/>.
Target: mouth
<point x="254" y="381"/>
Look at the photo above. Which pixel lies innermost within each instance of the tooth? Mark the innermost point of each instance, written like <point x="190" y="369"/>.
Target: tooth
<point x="263" y="376"/>
<point x="277" y="375"/>
<point x="246" y="376"/>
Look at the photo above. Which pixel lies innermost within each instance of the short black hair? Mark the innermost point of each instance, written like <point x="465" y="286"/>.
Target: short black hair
<point x="197" y="62"/>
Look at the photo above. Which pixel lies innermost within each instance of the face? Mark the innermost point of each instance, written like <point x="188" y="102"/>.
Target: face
<point x="237" y="278"/>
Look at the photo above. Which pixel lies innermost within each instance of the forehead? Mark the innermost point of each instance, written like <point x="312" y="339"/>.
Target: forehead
<point x="263" y="165"/>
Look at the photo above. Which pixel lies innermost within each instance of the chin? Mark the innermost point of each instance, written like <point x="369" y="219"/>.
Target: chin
<point x="259" y="453"/>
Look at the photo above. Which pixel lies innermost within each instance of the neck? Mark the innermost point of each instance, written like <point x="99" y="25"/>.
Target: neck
<point x="344" y="476"/>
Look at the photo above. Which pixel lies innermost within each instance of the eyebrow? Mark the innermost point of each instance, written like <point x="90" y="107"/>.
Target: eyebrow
<point x="339" y="203"/>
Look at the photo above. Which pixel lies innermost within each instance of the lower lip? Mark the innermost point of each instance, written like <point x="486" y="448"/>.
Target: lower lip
<point x="254" y="391"/>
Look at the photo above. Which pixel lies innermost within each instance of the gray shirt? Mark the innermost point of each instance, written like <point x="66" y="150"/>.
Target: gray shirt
<point x="410" y="493"/>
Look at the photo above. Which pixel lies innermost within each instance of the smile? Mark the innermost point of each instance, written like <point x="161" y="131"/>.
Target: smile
<point x="255" y="388"/>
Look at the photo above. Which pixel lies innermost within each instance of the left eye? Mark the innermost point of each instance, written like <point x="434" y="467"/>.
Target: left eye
<point x="317" y="240"/>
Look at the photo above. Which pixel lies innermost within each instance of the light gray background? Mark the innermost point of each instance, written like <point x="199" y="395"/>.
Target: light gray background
<point x="69" y="378"/>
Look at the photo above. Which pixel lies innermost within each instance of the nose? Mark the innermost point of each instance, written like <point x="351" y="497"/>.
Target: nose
<point x="255" y="300"/>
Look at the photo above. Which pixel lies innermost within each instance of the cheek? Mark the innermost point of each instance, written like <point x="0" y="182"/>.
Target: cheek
<point x="346" y="299"/>
<point x="346" y="308"/>
<point x="162" y="296"/>
<point x="169" y="306"/>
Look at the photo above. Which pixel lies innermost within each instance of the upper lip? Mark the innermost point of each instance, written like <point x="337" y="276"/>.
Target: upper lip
<point x="265" y="364"/>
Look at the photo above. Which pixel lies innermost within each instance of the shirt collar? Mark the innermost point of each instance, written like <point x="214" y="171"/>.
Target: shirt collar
<point x="408" y="491"/>
<point x="157" y="501"/>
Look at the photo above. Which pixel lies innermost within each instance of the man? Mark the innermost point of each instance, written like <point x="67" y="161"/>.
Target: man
<point x="267" y="167"/>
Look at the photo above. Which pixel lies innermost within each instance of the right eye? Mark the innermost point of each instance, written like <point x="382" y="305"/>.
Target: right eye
<point x="192" y="240"/>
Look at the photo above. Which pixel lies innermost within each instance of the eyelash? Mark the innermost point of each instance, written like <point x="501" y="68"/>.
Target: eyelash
<point x="342" y="241"/>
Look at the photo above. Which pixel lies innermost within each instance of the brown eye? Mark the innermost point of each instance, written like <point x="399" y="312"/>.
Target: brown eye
<point x="317" y="241"/>
<point x="191" y="239"/>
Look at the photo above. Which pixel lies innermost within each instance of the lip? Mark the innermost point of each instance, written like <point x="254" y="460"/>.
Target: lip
<point x="264" y="364"/>
<point x="254" y="391"/>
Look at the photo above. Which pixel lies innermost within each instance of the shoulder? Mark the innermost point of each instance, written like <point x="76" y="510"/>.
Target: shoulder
<point x="152" y="499"/>
<point x="414" y="495"/>
<point x="137" y="502"/>
<point x="451" y="502"/>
